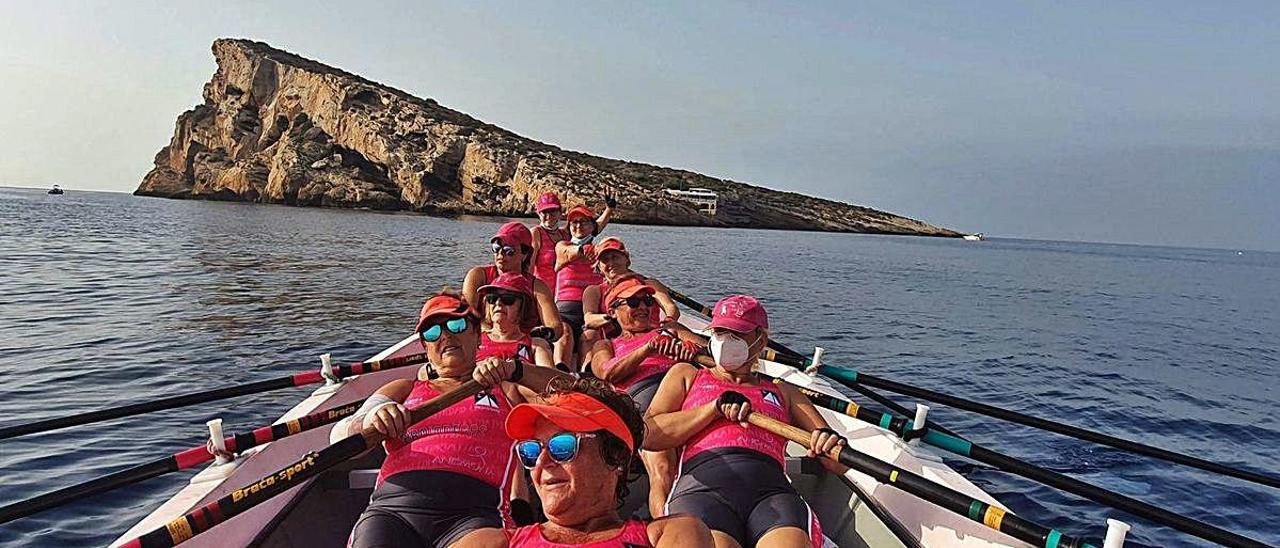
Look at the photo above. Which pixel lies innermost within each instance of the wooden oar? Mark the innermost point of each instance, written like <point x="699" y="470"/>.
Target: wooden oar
<point x="945" y="497"/>
<point x="181" y="460"/>
<point x="966" y="448"/>
<point x="204" y="518"/>
<point x="291" y="381"/>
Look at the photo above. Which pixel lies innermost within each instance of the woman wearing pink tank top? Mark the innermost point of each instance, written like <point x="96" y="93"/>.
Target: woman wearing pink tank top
<point x="579" y="447"/>
<point x="613" y="261"/>
<point x="636" y="361"/>
<point x="505" y="301"/>
<point x="703" y="412"/>
<point x="575" y="270"/>
<point x="446" y="479"/>
<point x="549" y="232"/>
<point x="512" y="253"/>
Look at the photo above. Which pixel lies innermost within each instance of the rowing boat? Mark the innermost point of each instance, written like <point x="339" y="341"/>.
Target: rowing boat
<point x="855" y="510"/>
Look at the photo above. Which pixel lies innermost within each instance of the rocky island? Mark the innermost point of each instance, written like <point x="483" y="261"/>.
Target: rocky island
<point x="278" y="128"/>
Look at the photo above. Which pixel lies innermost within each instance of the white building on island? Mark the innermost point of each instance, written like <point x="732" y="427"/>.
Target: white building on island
<point x="705" y="198"/>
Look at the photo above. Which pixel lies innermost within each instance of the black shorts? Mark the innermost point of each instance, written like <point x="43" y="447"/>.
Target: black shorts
<point x="426" y="508"/>
<point x="644" y="390"/>
<point x="571" y="314"/>
<point x="711" y="486"/>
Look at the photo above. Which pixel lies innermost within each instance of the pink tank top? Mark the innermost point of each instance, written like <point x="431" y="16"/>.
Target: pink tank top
<point x="505" y="349"/>
<point x="634" y="533"/>
<point x="765" y="398"/>
<point x="653" y="364"/>
<point x="466" y="438"/>
<point x="574" y="278"/>
<point x="544" y="265"/>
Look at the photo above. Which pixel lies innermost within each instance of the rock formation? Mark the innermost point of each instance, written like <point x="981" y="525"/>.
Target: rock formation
<point x="278" y="128"/>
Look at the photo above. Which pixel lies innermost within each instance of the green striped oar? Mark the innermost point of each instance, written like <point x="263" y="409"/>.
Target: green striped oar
<point x="991" y="516"/>
<point x="850" y="377"/>
<point x="960" y="446"/>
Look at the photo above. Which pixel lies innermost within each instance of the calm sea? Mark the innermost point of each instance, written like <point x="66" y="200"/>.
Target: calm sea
<point x="108" y="299"/>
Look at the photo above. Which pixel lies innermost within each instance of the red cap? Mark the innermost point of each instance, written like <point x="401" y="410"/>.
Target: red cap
<point x="611" y="244"/>
<point x="449" y="306"/>
<point x="739" y="313"/>
<point x="511" y="281"/>
<point x="626" y="287"/>
<point x="513" y="234"/>
<point x="547" y="200"/>
<point x="579" y="211"/>
<point x="573" y="411"/>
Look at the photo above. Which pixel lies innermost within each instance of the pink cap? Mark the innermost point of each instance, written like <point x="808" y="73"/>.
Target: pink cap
<point x="513" y="234"/>
<point x="548" y="200"/>
<point x="511" y="281"/>
<point x="739" y="313"/>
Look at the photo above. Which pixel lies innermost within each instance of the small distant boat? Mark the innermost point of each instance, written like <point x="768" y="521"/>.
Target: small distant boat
<point x="975" y="237"/>
<point x="56" y="190"/>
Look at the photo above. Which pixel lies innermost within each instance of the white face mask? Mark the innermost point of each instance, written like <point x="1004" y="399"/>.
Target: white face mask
<point x="550" y="225"/>
<point x="729" y="351"/>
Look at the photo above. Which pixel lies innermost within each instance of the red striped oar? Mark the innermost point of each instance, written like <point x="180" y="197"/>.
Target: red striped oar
<point x="204" y="518"/>
<point x="181" y="460"/>
<point x="290" y="381"/>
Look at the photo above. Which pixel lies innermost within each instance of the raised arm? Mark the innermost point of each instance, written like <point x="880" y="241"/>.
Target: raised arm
<point x="605" y="216"/>
<point x="667" y="425"/>
<point x="663" y="296"/>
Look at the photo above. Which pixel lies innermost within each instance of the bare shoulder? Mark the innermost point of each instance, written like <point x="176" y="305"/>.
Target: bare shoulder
<point x="398" y="389"/>
<point x="679" y="530"/>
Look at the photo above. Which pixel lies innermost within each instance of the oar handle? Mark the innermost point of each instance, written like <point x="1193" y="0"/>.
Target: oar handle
<point x="310" y="465"/>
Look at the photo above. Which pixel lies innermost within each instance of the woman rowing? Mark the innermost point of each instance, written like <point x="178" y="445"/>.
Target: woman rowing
<point x="635" y="362"/>
<point x="445" y="479"/>
<point x="575" y="271"/>
<point x="512" y="253"/>
<point x="613" y="261"/>
<point x="508" y="305"/>
<point x="732" y="475"/>
<point x="579" y="447"/>
<point x="549" y="232"/>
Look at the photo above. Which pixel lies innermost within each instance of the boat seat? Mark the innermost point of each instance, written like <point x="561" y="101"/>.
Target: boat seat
<point x="362" y="478"/>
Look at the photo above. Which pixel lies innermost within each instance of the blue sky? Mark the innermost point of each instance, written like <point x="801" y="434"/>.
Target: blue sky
<point x="1146" y="122"/>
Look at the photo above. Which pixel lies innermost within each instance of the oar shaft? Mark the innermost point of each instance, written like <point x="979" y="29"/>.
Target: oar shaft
<point x="174" y="402"/>
<point x="849" y="376"/>
<point x="206" y="517"/>
<point x="965" y="448"/>
<point x="182" y="460"/>
<point x="945" y="497"/>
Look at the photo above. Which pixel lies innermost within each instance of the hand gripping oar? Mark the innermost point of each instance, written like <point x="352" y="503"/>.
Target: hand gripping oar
<point x="181" y="460"/>
<point x="945" y="497"/>
<point x="204" y="518"/>
<point x="965" y="448"/>
<point x="299" y="379"/>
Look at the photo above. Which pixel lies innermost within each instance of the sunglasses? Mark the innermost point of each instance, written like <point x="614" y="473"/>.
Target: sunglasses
<point x="454" y="325"/>
<point x="562" y="447"/>
<point x="635" y="301"/>
<point x="505" y="250"/>
<point x="507" y="299"/>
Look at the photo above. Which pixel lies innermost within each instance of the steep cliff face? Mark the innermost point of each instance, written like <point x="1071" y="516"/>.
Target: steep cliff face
<point x="278" y="128"/>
